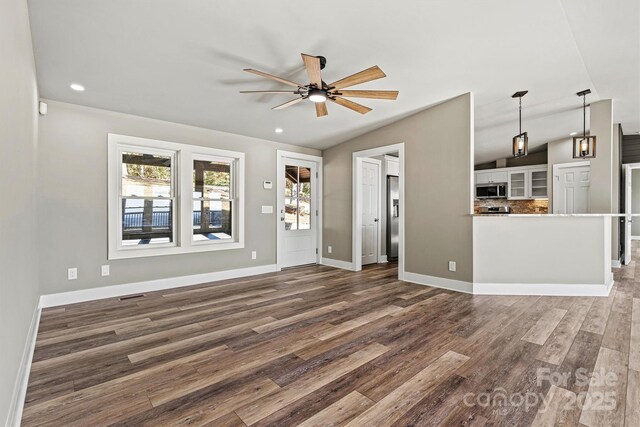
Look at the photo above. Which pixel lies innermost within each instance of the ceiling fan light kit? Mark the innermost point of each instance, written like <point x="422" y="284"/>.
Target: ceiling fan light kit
<point x="520" y="141"/>
<point x="318" y="92"/>
<point x="584" y="147"/>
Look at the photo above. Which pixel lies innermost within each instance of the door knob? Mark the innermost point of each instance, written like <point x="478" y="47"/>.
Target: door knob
<point x="375" y="220"/>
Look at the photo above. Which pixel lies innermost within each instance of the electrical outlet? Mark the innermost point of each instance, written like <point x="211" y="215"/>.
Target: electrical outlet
<point x="452" y="266"/>
<point x="254" y="255"/>
<point x="72" y="273"/>
<point x="330" y="249"/>
<point x="104" y="270"/>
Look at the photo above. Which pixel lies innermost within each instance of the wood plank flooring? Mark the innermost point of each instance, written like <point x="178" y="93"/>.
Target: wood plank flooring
<point x="317" y="346"/>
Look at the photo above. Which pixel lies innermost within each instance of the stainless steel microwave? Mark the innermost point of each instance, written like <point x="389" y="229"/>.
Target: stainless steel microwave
<point x="491" y="191"/>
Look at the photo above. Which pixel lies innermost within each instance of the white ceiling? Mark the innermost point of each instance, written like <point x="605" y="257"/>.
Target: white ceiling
<point x="182" y="61"/>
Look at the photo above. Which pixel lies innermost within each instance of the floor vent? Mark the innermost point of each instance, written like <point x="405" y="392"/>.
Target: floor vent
<point x="131" y="297"/>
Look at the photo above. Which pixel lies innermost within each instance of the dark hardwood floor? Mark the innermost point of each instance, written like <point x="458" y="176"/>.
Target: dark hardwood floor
<point x="317" y="346"/>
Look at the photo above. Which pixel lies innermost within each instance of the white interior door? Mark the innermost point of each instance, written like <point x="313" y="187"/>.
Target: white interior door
<point x="298" y="213"/>
<point x="628" y="186"/>
<point x="571" y="190"/>
<point x="370" y="210"/>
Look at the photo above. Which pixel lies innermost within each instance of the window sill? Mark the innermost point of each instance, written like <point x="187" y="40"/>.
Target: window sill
<point x="143" y="252"/>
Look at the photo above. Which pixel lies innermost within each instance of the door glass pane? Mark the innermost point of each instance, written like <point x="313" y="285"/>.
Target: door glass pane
<point x="212" y="220"/>
<point x="146" y="221"/>
<point x="304" y="199"/>
<point x="146" y="175"/>
<point x="297" y="198"/>
<point x="211" y="180"/>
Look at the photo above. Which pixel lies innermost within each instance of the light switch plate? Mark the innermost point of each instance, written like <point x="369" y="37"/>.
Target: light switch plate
<point x="104" y="270"/>
<point x="329" y="249"/>
<point x="267" y="209"/>
<point x="254" y="255"/>
<point x="452" y="266"/>
<point x="267" y="185"/>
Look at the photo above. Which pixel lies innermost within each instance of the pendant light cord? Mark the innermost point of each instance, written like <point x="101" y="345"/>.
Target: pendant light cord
<point x="520" y="116"/>
<point x="584" y="116"/>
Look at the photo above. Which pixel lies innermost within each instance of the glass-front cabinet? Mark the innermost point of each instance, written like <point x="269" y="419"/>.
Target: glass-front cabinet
<point x="528" y="184"/>
<point x="518" y="185"/>
<point x="538" y="183"/>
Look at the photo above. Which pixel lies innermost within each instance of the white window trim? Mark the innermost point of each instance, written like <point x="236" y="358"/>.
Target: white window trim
<point x="183" y="193"/>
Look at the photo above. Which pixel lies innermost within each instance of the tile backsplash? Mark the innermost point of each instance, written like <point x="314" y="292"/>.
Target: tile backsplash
<point x="537" y="206"/>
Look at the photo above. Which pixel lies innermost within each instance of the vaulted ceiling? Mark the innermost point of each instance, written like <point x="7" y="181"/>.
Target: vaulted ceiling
<point x="182" y="61"/>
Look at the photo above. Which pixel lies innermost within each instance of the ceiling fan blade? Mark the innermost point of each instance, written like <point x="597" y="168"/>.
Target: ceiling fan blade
<point x="268" y="91"/>
<point x="312" y="64"/>
<point x="363" y="76"/>
<point x="350" y="105"/>
<point x="272" y="77"/>
<point x="288" y="104"/>
<point x="374" y="94"/>
<point x="321" y="109"/>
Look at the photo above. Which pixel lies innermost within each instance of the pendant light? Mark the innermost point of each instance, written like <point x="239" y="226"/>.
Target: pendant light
<point x="520" y="141"/>
<point x="584" y="147"/>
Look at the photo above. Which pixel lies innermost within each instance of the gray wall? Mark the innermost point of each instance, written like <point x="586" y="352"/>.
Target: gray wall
<point x="18" y="143"/>
<point x="439" y="158"/>
<point x="536" y="158"/>
<point x="73" y="191"/>
<point x="631" y="149"/>
<point x="635" y="200"/>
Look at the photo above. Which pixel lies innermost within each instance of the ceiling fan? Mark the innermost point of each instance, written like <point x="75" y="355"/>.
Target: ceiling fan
<point x="317" y="91"/>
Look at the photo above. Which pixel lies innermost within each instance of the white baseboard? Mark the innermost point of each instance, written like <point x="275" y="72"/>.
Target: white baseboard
<point x="73" y="297"/>
<point x="545" y="289"/>
<point x="22" y="380"/>
<point x="382" y="259"/>
<point x="438" y="282"/>
<point x="345" y="265"/>
<point x="615" y="263"/>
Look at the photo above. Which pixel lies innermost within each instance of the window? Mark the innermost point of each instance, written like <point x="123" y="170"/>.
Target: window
<point x="168" y="198"/>
<point x="297" y="198"/>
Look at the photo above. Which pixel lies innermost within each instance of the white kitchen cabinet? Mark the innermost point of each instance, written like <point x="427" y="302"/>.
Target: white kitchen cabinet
<point x="518" y="185"/>
<point x="392" y="166"/>
<point x="491" y="177"/>
<point x="538" y="183"/>
<point x="523" y="182"/>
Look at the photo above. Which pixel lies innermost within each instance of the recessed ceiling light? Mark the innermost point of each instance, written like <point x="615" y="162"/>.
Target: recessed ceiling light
<point x="279" y="130"/>
<point x="77" y="87"/>
<point x="573" y="133"/>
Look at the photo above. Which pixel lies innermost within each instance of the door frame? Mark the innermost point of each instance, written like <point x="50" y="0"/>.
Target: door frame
<point x="378" y="163"/>
<point x="281" y="155"/>
<point x="628" y="218"/>
<point x="556" y="173"/>
<point x="356" y="208"/>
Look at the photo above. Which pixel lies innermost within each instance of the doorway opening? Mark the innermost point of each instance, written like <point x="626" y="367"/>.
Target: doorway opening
<point x="378" y="206"/>
<point x="631" y="208"/>
<point x="299" y="209"/>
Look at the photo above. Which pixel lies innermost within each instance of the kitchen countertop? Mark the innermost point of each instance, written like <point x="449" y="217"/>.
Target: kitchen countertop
<point x="559" y="215"/>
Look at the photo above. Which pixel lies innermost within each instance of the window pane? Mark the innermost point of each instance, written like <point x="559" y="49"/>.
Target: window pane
<point x="211" y="180"/>
<point x="146" y="175"/>
<point x="212" y="220"/>
<point x="290" y="181"/>
<point x="146" y="221"/>
<point x="290" y="217"/>
<point x="304" y="199"/>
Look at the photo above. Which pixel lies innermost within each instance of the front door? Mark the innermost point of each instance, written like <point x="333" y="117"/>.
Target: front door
<point x="571" y="190"/>
<point x="370" y="210"/>
<point x="298" y="213"/>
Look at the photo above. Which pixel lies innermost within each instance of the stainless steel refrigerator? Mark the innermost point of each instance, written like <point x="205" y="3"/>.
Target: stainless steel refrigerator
<point x="393" y="217"/>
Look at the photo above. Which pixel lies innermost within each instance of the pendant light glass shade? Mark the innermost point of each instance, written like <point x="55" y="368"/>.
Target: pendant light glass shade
<point x="584" y="147"/>
<point x="520" y="145"/>
<point x="520" y="141"/>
